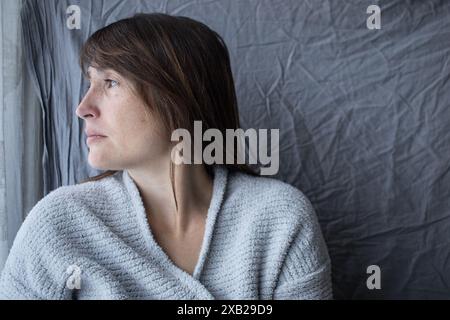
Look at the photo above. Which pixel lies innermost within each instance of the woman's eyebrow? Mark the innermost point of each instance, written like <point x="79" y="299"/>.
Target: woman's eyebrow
<point x="102" y="72"/>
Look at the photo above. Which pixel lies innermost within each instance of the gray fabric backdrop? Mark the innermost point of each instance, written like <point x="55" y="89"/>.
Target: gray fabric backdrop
<point x="363" y="115"/>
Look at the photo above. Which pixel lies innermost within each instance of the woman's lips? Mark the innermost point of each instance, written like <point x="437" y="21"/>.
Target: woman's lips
<point x="92" y="139"/>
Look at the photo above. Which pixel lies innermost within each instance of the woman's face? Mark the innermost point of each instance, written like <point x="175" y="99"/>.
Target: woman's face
<point x="130" y="137"/>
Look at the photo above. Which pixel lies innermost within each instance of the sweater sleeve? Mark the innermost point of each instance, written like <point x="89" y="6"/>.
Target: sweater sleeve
<point x="29" y="271"/>
<point x="306" y="270"/>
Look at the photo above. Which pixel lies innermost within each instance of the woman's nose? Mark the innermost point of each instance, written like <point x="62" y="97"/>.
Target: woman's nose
<point x="86" y="109"/>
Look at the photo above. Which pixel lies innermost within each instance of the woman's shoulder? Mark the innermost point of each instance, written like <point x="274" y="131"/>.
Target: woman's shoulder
<point x="47" y="239"/>
<point x="66" y="203"/>
<point x="268" y="193"/>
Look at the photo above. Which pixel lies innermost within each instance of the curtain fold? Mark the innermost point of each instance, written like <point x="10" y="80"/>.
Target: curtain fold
<point x="20" y="127"/>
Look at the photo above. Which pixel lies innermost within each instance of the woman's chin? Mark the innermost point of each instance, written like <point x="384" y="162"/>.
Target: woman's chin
<point x="98" y="163"/>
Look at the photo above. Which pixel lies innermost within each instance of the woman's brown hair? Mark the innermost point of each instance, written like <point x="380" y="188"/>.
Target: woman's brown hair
<point x="178" y="66"/>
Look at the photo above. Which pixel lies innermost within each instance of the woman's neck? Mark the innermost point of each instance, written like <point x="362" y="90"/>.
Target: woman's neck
<point x="193" y="188"/>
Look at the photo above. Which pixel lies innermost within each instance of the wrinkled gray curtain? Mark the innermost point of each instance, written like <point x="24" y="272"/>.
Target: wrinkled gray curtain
<point x="363" y="116"/>
<point x="20" y="131"/>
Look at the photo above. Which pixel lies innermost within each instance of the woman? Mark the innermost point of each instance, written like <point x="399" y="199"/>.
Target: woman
<point x="152" y="229"/>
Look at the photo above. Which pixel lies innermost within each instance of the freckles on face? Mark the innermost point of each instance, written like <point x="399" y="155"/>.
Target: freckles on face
<point x="144" y="132"/>
<point x="131" y="123"/>
<point x="135" y="138"/>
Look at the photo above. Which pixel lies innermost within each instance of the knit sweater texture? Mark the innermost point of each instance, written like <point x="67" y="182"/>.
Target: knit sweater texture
<point x="262" y="241"/>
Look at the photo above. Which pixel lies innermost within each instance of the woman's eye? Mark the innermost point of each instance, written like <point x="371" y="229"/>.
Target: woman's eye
<point x="112" y="83"/>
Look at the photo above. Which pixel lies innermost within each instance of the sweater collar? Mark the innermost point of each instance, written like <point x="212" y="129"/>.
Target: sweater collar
<point x="220" y="180"/>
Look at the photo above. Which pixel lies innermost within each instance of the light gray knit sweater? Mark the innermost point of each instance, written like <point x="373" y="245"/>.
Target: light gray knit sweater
<point x="262" y="241"/>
